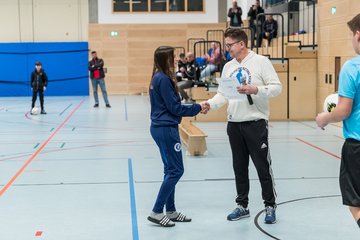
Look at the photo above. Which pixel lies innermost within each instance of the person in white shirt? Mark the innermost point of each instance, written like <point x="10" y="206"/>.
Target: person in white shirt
<point x="248" y="121"/>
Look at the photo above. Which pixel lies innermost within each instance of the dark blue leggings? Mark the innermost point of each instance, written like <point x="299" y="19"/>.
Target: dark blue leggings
<point x="168" y="141"/>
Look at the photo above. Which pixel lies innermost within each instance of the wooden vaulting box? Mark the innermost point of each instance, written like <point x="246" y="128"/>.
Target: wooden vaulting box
<point x="193" y="138"/>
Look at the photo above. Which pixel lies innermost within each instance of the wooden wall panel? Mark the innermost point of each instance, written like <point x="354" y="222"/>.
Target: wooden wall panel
<point x="278" y="105"/>
<point x="157" y="33"/>
<point x="118" y="45"/>
<point x="114" y="53"/>
<point x="302" y="89"/>
<point x="140" y="70"/>
<point x="120" y="61"/>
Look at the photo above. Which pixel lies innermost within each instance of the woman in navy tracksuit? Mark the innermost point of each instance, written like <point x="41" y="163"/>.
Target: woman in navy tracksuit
<point x="166" y="114"/>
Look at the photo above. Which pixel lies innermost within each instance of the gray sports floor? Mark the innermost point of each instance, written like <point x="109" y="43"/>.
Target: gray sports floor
<point x="80" y="173"/>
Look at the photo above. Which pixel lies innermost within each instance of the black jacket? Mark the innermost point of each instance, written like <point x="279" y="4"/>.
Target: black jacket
<point x="270" y="27"/>
<point x="96" y="64"/>
<point x="38" y="80"/>
<point x="252" y="15"/>
<point x="231" y="15"/>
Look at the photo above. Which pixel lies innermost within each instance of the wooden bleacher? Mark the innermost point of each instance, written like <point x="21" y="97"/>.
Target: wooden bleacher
<point x="274" y="50"/>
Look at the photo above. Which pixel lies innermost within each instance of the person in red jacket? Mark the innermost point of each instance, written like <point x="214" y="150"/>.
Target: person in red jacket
<point x="97" y="75"/>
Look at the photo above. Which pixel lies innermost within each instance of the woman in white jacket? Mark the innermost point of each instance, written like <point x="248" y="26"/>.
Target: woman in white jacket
<point x="248" y="121"/>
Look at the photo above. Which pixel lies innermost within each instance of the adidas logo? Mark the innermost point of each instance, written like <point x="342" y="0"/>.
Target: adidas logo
<point x="263" y="146"/>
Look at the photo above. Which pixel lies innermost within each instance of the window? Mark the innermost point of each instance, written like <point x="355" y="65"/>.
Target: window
<point x="156" y="6"/>
<point x="274" y="2"/>
<point x="177" y="5"/>
<point x="195" y="5"/>
<point x="140" y="5"/>
<point x="121" y="6"/>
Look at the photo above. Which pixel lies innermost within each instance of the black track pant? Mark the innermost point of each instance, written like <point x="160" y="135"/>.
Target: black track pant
<point x="251" y="139"/>
<point x="34" y="96"/>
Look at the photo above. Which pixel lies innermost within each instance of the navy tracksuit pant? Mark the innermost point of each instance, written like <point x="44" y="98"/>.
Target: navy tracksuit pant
<point x="168" y="140"/>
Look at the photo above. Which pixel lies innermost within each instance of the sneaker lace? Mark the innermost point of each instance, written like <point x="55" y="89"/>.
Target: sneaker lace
<point x="242" y="209"/>
<point x="269" y="210"/>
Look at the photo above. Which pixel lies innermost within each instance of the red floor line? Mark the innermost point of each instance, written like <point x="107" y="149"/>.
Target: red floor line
<point x="6" y="187"/>
<point x="318" y="148"/>
<point x="339" y="137"/>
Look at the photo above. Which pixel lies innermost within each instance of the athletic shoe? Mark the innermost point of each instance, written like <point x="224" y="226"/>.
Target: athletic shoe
<point x="108" y="106"/>
<point x="164" y="221"/>
<point x="42" y="112"/>
<point x="270" y="216"/>
<point x="177" y="217"/>
<point x="238" y="213"/>
<point x="96" y="105"/>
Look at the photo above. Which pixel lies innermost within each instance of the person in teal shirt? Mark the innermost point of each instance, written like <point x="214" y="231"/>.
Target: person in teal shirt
<point x="348" y="111"/>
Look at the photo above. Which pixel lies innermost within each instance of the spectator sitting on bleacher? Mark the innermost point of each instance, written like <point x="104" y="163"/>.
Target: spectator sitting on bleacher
<point x="192" y="69"/>
<point x="212" y="62"/>
<point x="191" y="73"/>
<point x="269" y="30"/>
<point x="201" y="62"/>
<point x="181" y="66"/>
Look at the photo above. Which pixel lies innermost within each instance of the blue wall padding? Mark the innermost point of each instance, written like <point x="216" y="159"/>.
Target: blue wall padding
<point x="65" y="64"/>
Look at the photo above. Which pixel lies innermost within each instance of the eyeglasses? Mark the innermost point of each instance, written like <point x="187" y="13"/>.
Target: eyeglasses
<point x="229" y="45"/>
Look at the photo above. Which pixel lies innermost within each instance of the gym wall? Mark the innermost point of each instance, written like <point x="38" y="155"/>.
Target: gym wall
<point x="334" y="40"/>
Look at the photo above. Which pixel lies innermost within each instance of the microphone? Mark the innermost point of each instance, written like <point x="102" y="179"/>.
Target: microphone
<point x="242" y="81"/>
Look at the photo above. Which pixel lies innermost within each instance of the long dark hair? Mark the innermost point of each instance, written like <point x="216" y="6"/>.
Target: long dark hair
<point x="164" y="62"/>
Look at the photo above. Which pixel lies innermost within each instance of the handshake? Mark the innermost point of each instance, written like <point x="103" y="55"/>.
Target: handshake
<point x="205" y="107"/>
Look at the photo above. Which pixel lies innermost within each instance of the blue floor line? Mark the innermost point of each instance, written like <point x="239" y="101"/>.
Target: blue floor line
<point x="65" y="109"/>
<point x="135" y="230"/>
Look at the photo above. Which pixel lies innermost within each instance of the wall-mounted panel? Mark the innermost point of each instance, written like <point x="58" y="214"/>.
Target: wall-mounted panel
<point x="66" y="65"/>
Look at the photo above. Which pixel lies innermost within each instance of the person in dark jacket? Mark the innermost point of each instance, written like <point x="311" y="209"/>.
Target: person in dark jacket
<point x="97" y="75"/>
<point x="166" y="113"/>
<point x="181" y="67"/>
<point x="235" y="15"/>
<point x="39" y="82"/>
<point x="269" y="30"/>
<point x="191" y="73"/>
<point x="256" y="26"/>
